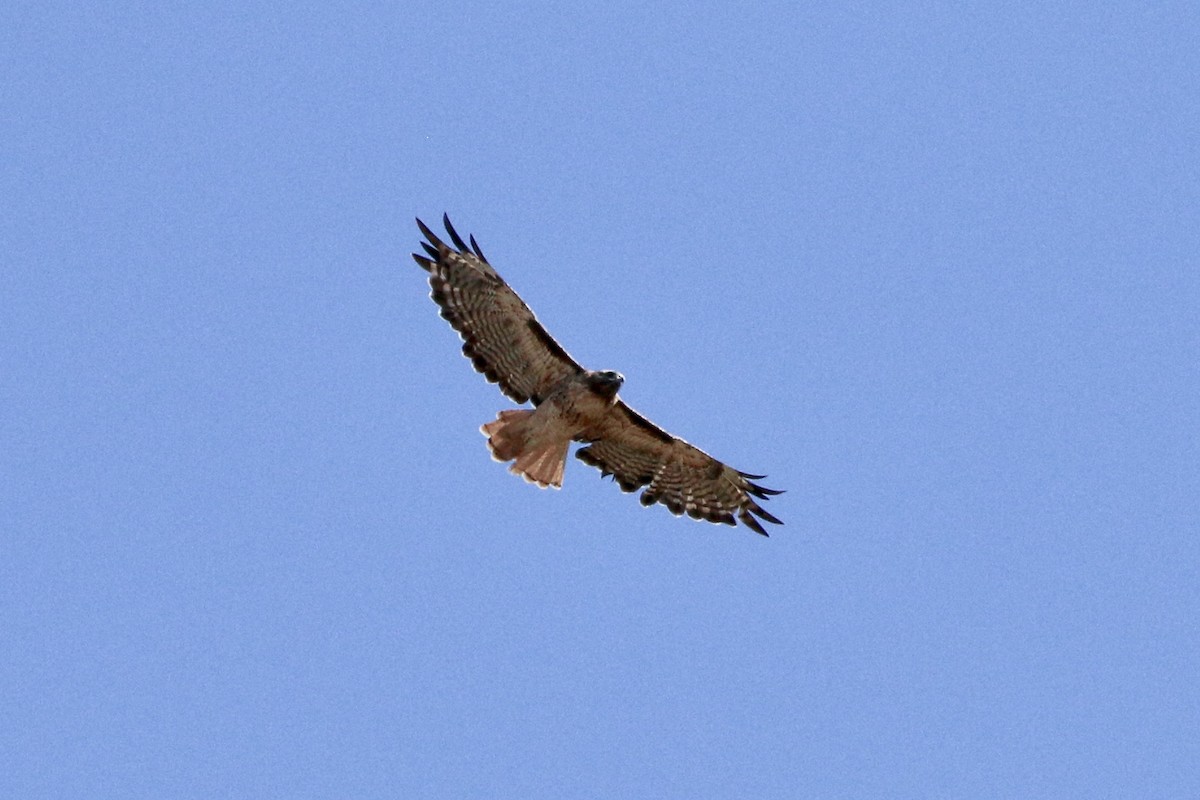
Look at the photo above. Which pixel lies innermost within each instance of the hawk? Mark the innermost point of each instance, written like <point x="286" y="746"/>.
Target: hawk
<point x="510" y="347"/>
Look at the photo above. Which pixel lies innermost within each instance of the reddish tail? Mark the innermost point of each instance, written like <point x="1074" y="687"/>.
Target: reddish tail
<point x="514" y="434"/>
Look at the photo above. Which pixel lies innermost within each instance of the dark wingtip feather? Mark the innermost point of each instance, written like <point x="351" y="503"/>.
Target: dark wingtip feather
<point x="458" y="241"/>
<point x="425" y="230"/>
<point x="475" y="247"/>
<point x="751" y="523"/>
<point x="758" y="510"/>
<point x="431" y="236"/>
<point x="761" y="491"/>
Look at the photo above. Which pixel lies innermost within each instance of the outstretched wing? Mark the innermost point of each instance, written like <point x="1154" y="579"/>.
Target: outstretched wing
<point x="681" y="476"/>
<point x="500" y="334"/>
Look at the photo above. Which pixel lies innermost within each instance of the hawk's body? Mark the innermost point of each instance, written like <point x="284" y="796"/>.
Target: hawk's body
<point x="510" y="347"/>
<point x="538" y="439"/>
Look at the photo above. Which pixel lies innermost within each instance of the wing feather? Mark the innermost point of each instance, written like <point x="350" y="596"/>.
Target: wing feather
<point x="501" y="336"/>
<point x="637" y="453"/>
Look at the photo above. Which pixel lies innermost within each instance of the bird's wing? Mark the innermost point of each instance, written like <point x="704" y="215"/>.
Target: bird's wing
<point x="681" y="476"/>
<point x="500" y="334"/>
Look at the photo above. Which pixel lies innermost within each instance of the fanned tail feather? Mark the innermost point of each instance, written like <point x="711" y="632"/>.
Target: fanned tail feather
<point x="543" y="465"/>
<point x="510" y="437"/>
<point x="507" y="433"/>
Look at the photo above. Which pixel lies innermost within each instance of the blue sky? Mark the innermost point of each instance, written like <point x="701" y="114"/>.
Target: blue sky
<point x="932" y="269"/>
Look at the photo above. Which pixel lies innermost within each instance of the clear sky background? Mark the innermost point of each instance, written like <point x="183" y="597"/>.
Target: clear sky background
<point x="934" y="269"/>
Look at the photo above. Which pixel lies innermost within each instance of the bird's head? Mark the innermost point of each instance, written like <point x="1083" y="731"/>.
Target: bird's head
<point x="606" y="383"/>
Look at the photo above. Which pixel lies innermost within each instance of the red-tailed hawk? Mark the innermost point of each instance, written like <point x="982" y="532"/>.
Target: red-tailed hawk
<point x="509" y="346"/>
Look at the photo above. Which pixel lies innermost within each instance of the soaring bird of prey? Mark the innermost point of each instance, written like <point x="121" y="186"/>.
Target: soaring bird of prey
<point x="510" y="347"/>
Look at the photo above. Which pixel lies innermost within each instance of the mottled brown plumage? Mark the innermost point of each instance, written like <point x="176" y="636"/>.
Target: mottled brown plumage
<point x="510" y="347"/>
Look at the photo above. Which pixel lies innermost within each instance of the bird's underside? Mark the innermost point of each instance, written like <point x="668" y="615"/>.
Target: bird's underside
<point x="510" y="347"/>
